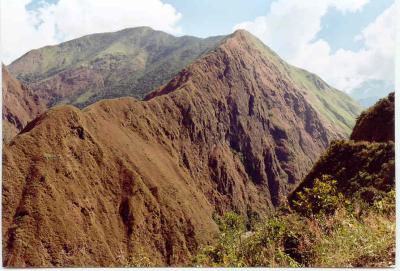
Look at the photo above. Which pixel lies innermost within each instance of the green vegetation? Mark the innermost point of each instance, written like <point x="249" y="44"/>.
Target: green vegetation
<point x="361" y="169"/>
<point x="139" y="259"/>
<point x="341" y="215"/>
<point x="323" y="197"/>
<point x="335" y="105"/>
<point x="130" y="62"/>
<point x="354" y="234"/>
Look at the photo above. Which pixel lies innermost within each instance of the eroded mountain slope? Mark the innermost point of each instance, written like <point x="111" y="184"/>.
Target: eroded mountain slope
<point x="20" y="105"/>
<point x="124" y="178"/>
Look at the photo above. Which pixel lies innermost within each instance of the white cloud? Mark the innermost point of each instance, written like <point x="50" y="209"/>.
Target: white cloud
<point x="23" y="30"/>
<point x="291" y="27"/>
<point x="347" y="5"/>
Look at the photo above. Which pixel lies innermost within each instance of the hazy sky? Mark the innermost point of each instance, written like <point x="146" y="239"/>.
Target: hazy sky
<point x="346" y="42"/>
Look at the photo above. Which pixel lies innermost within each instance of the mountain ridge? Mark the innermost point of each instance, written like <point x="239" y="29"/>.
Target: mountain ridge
<point x="231" y="132"/>
<point x="376" y="123"/>
<point x="363" y="165"/>
<point x="84" y="85"/>
<point x="107" y="65"/>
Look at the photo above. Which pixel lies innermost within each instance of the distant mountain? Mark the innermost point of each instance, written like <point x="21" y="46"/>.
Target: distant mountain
<point x="130" y="62"/>
<point x="123" y="180"/>
<point x="369" y="92"/>
<point x="20" y="105"/>
<point x="134" y="61"/>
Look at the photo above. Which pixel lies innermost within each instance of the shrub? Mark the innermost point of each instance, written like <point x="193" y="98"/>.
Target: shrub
<point x="386" y="205"/>
<point x="231" y="227"/>
<point x="267" y="245"/>
<point x="323" y="197"/>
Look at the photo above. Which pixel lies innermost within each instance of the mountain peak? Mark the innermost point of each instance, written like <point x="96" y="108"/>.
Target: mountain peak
<point x="242" y="36"/>
<point x="241" y="32"/>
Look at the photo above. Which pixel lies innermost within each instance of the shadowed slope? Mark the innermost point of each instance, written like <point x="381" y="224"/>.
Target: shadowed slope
<point x="376" y="123"/>
<point x="20" y="105"/>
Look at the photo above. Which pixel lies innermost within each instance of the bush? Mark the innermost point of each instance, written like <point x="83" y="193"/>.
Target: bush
<point x="265" y="246"/>
<point x="231" y="227"/>
<point x="323" y="197"/>
<point x="386" y="205"/>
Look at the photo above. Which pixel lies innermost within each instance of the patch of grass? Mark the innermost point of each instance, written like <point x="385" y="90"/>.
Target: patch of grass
<point x="85" y="96"/>
<point x="51" y="157"/>
<point x="352" y="240"/>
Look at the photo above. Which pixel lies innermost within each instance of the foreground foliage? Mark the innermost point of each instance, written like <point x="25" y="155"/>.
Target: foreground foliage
<point x="351" y="234"/>
<point x="322" y="197"/>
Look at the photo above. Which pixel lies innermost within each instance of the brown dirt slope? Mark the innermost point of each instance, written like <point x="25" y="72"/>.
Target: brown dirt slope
<point x="124" y="179"/>
<point x="20" y="105"/>
<point x="376" y="123"/>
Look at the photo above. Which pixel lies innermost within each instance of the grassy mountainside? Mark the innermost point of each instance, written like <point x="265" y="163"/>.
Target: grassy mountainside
<point x="336" y="106"/>
<point x="361" y="167"/>
<point x="130" y="62"/>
